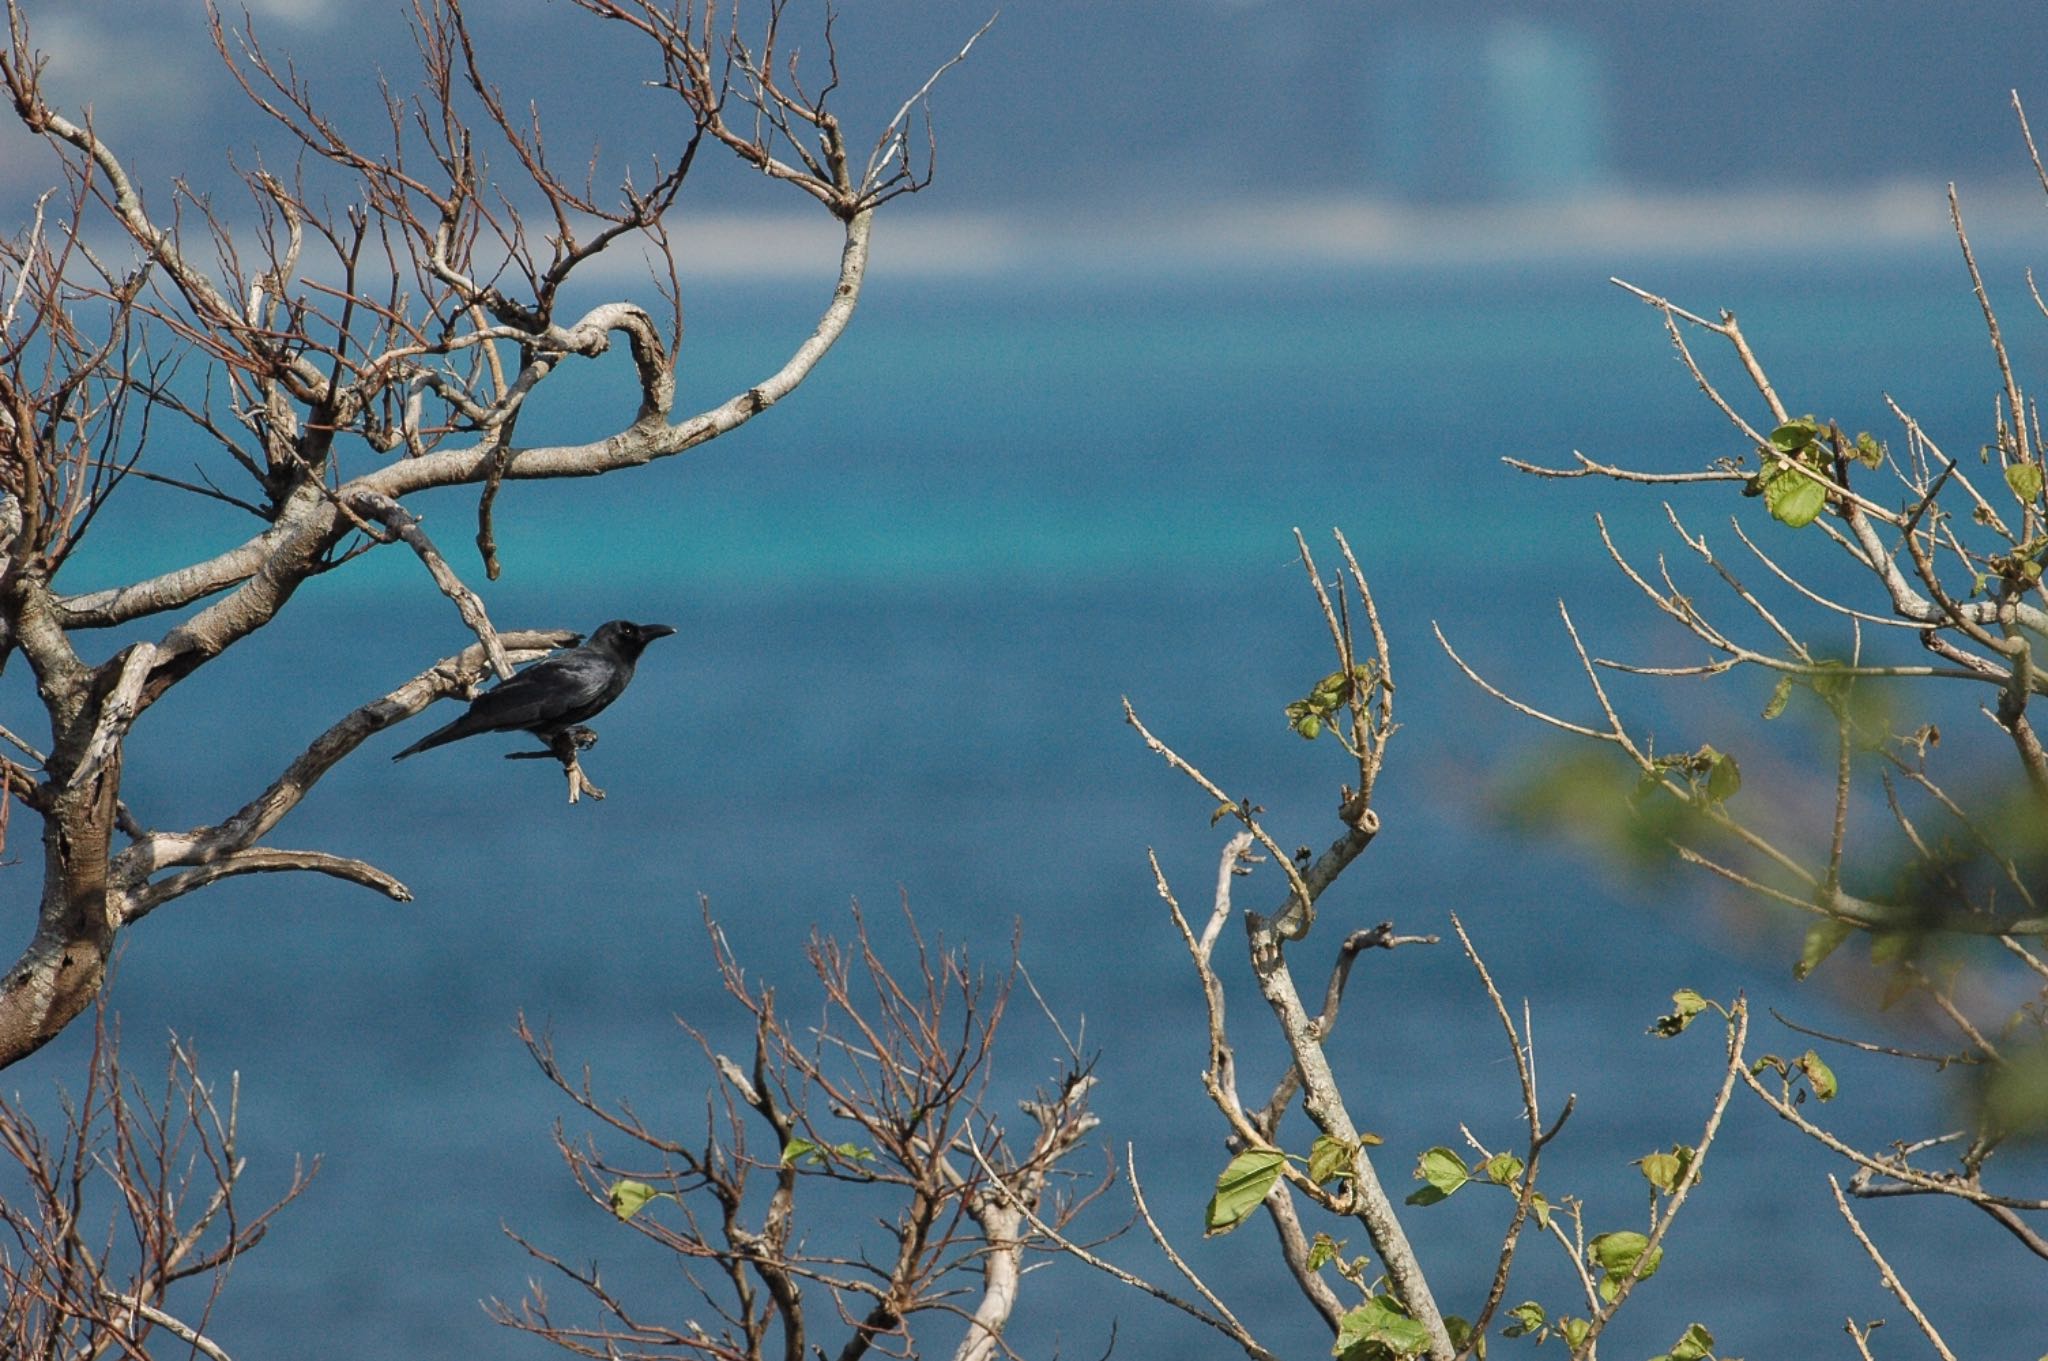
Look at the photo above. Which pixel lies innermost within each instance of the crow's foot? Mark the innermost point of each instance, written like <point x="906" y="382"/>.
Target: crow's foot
<point x="579" y="783"/>
<point x="564" y="746"/>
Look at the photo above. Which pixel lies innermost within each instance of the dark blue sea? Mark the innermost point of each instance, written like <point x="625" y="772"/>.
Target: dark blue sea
<point x="908" y="602"/>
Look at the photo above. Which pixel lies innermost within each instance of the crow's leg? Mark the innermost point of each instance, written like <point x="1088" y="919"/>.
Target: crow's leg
<point x="565" y="747"/>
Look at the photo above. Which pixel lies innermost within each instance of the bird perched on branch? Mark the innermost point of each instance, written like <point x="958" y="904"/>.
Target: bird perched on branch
<point x="555" y="694"/>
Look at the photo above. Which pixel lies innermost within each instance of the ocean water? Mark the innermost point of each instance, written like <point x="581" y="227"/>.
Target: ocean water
<point x="908" y="604"/>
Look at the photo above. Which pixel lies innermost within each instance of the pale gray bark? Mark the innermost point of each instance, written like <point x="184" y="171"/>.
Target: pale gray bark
<point x="415" y="367"/>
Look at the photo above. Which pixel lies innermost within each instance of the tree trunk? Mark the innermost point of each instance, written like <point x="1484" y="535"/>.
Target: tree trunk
<point x="61" y="971"/>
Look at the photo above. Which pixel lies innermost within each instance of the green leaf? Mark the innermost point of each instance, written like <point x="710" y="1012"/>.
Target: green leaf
<point x="1779" y="697"/>
<point x="1696" y="1345"/>
<point x="1686" y="1154"/>
<point x="1460" y="1331"/>
<point x="1541" y="1209"/>
<point x="1686" y="1004"/>
<point x="1502" y="1169"/>
<point x="2013" y="1099"/>
<point x="1830" y="679"/>
<point x="1370" y="1140"/>
<point x="1244" y="1183"/>
<point x="1617" y="1251"/>
<point x="1724" y="777"/>
<point x="1323" y="1251"/>
<point x="1821" y="939"/>
<point x="1795" y="499"/>
<point x="628" y="1198"/>
<point x="1666" y="1170"/>
<point x="1818" y="1075"/>
<point x="1383" y="1322"/>
<point x="1444" y="1171"/>
<point x="1617" y="1254"/>
<point x="1310" y="715"/>
<point x="1661" y="1170"/>
<point x="2024" y="479"/>
<point x="805" y="1150"/>
<point x="1328" y="1159"/>
<point x="1574" y="1331"/>
<point x="1528" y="1317"/>
<point x="1793" y="436"/>
<point x="1869" y="450"/>
<point x="1442" y="1167"/>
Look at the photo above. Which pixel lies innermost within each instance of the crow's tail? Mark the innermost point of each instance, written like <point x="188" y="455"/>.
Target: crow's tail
<point x="435" y="738"/>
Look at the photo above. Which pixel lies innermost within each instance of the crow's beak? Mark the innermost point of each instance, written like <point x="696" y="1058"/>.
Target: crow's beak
<point x="656" y="630"/>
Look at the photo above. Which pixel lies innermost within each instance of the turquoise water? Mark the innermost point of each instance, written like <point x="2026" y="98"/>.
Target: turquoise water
<point x="908" y="603"/>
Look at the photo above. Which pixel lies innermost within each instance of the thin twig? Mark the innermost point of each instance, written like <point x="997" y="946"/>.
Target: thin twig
<point x="1887" y="1275"/>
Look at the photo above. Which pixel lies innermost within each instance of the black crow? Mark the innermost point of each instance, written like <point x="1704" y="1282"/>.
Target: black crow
<point x="555" y="693"/>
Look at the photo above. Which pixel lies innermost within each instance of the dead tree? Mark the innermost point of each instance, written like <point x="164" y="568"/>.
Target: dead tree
<point x="395" y="299"/>
<point x="885" y="1103"/>
<point x="128" y="1220"/>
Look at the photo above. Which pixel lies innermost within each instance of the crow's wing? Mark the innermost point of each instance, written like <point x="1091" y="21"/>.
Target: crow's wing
<point x="559" y="690"/>
<point x="566" y="687"/>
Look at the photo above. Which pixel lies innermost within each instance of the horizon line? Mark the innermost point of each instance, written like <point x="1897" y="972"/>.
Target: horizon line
<point x="1336" y="231"/>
